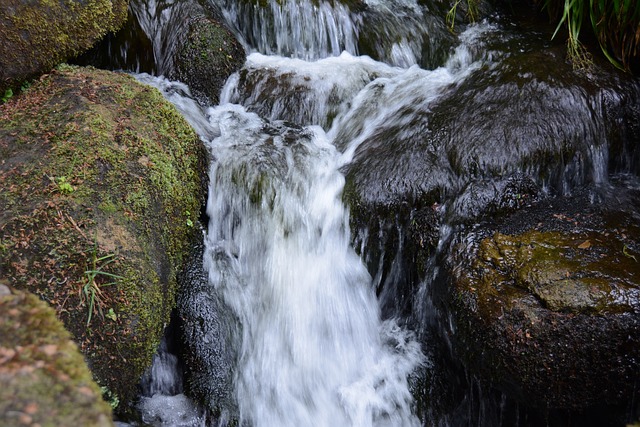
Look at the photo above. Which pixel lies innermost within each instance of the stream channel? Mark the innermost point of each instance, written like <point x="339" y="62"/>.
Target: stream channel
<point x="315" y="319"/>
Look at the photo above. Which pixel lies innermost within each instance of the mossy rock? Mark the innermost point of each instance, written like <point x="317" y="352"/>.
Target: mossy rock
<point x="102" y="183"/>
<point x="550" y="311"/>
<point x="209" y="54"/>
<point x="39" y="34"/>
<point x="45" y="381"/>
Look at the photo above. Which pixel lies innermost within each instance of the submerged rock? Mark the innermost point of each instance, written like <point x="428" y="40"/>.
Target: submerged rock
<point x="547" y="304"/>
<point x="210" y="333"/>
<point x="44" y="378"/>
<point x="36" y="36"/>
<point x="102" y="182"/>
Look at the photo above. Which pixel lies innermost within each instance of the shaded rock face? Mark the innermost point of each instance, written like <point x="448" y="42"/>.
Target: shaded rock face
<point x="523" y="125"/>
<point x="38" y="35"/>
<point x="183" y="40"/>
<point x="529" y="114"/>
<point x="520" y="128"/>
<point x="44" y="378"/>
<point x="113" y="175"/>
<point x="208" y="56"/>
<point x="547" y="304"/>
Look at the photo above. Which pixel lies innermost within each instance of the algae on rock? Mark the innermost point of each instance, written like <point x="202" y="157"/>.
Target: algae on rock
<point x="97" y="167"/>
<point x="545" y="304"/>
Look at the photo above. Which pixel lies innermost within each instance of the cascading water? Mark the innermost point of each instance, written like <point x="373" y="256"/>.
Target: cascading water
<point x="313" y="349"/>
<point x="312" y="344"/>
<point x="397" y="32"/>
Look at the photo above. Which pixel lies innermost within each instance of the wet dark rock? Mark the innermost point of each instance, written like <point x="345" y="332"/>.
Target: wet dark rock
<point x="426" y="33"/>
<point x="129" y="49"/>
<point x="522" y="126"/>
<point x="546" y="305"/>
<point x="207" y="57"/>
<point x="183" y="40"/>
<point x="36" y="36"/>
<point x="529" y="115"/>
<point x="209" y="333"/>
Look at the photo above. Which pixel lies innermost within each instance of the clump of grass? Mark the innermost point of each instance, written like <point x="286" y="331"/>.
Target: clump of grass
<point x="472" y="12"/>
<point x="615" y="23"/>
<point x="91" y="291"/>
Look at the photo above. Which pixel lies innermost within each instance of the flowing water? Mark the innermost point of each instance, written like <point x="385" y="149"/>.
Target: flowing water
<point x="313" y="347"/>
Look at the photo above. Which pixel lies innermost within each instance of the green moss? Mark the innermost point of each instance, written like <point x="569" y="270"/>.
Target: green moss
<point x="135" y="167"/>
<point x="38" y="35"/>
<point x="582" y="272"/>
<point x="209" y="55"/>
<point x="45" y="379"/>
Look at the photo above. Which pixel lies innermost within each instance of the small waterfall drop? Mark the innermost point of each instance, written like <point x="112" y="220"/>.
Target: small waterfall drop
<point x="304" y="29"/>
<point x="314" y="349"/>
<point x="398" y="32"/>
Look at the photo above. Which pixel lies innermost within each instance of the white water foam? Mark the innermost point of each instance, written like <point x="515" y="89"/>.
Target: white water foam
<point x="314" y="350"/>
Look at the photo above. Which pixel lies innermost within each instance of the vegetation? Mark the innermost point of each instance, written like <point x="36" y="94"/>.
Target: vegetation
<point x="110" y="169"/>
<point x="45" y="380"/>
<point x="615" y="23"/>
<point x="38" y="35"/>
<point x="92" y="289"/>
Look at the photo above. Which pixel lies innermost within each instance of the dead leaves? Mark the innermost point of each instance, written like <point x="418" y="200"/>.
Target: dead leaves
<point x="584" y="245"/>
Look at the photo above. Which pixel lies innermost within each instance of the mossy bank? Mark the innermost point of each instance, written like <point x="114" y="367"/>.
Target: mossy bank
<point x="102" y="183"/>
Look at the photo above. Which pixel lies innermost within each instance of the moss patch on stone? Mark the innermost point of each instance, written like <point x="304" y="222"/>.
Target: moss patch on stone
<point x="546" y="304"/>
<point x="101" y="177"/>
<point x="209" y="55"/>
<point x="582" y="272"/>
<point x="37" y="35"/>
<point x="44" y="378"/>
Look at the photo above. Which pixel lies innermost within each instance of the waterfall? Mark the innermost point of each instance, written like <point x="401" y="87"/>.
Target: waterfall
<point x="314" y="349"/>
<point x="303" y="29"/>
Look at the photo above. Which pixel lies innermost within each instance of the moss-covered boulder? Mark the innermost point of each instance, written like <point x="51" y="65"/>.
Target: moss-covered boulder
<point x="37" y="35"/>
<point x="45" y="381"/>
<point x="550" y="311"/>
<point x="102" y="184"/>
<point x="209" y="54"/>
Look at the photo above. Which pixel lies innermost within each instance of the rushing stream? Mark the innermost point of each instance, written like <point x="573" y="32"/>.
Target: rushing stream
<point x="312" y="342"/>
<point x="313" y="348"/>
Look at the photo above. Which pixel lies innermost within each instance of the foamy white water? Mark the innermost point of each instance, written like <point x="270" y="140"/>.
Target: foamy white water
<point x="314" y="350"/>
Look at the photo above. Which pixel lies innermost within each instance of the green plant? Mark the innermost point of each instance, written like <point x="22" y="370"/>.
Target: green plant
<point x="572" y="17"/>
<point x="625" y="251"/>
<point x="615" y="23"/>
<point x="110" y="397"/>
<point x="64" y="186"/>
<point x="91" y="291"/>
<point x="472" y="12"/>
<point x="7" y="95"/>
